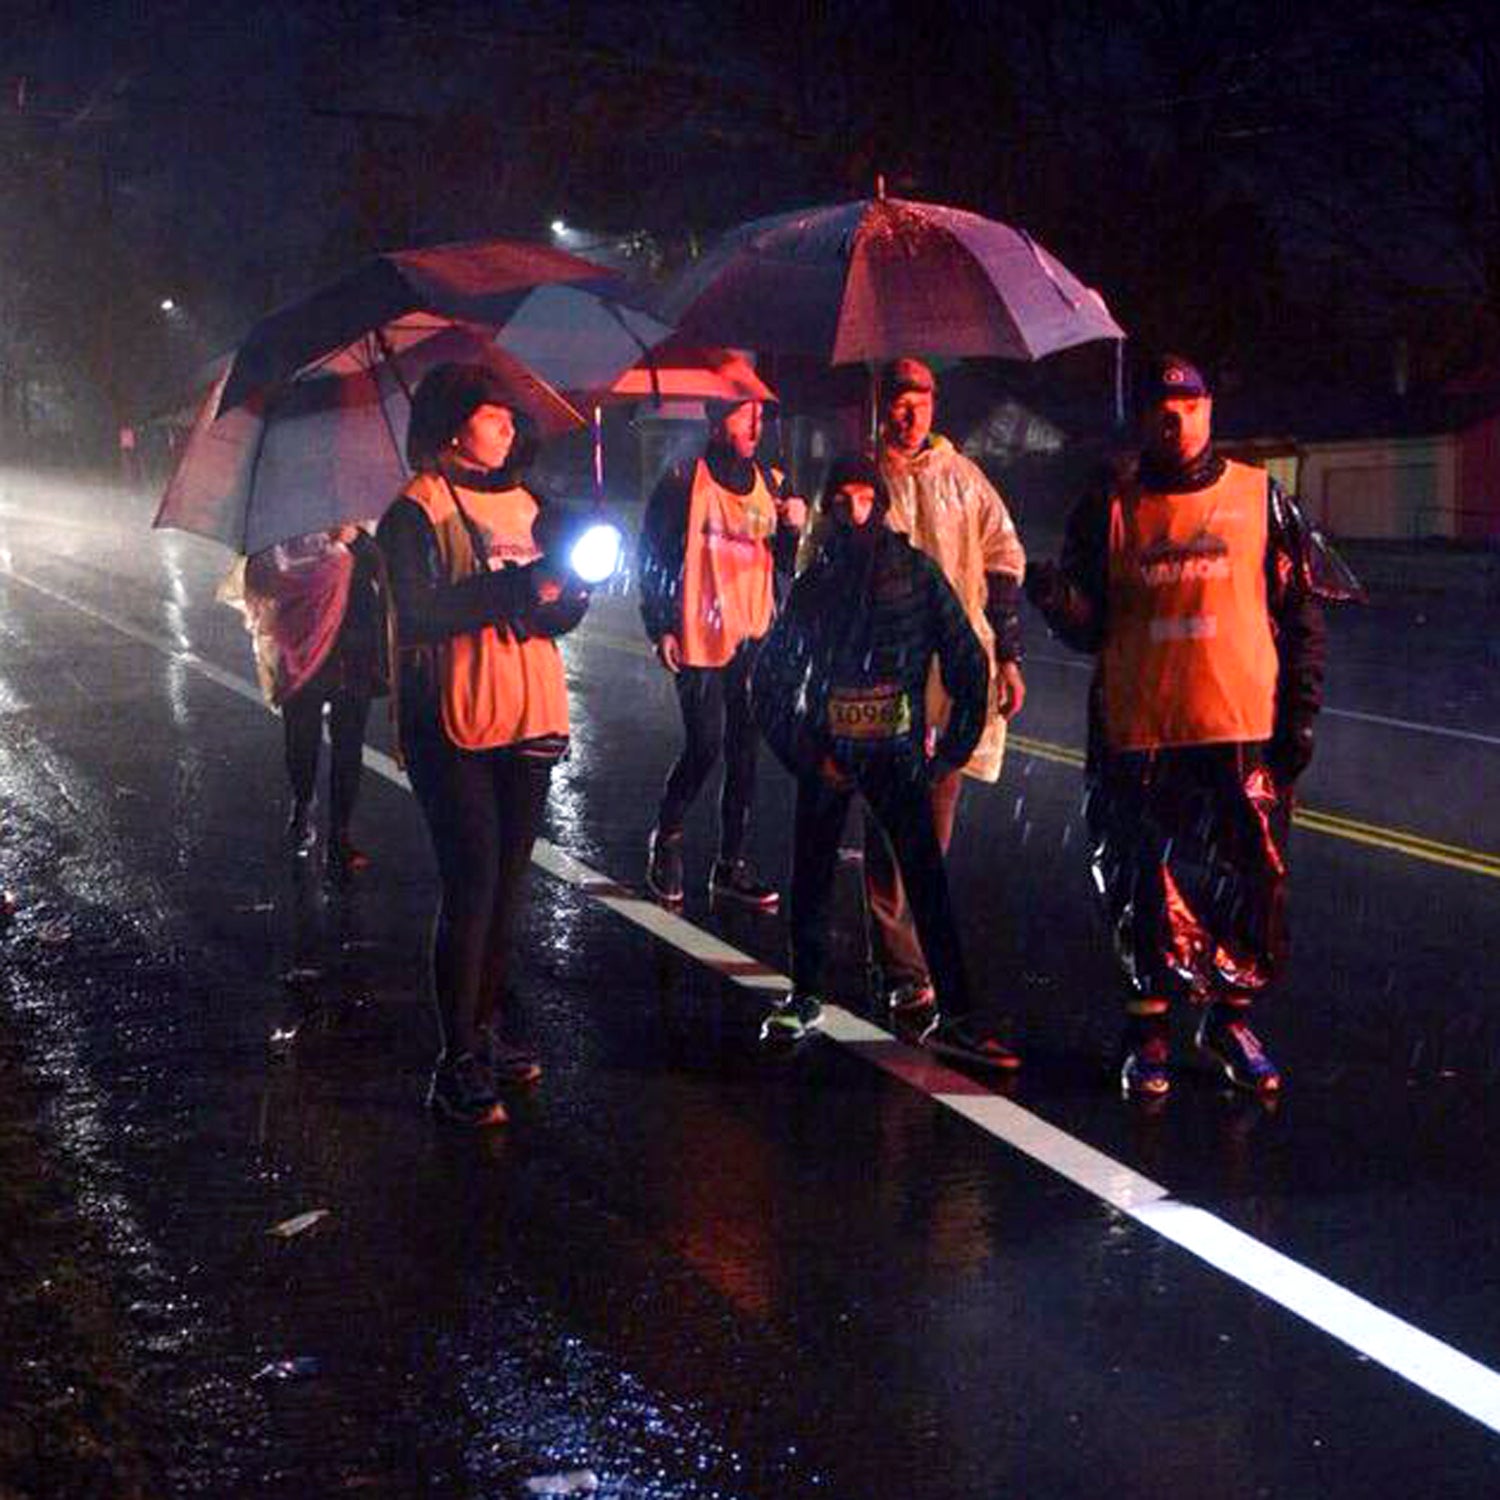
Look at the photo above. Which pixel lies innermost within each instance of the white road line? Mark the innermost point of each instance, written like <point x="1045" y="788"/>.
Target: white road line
<point x="1385" y="721"/>
<point x="1414" y="726"/>
<point x="1433" y="1366"/>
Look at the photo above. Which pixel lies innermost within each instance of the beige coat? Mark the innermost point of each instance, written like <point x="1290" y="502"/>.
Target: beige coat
<point x="944" y="505"/>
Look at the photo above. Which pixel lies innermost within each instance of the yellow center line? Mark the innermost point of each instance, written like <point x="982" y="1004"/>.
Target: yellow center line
<point x="1334" y="825"/>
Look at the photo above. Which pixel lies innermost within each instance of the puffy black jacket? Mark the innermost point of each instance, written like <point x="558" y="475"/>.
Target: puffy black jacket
<point x="870" y="612"/>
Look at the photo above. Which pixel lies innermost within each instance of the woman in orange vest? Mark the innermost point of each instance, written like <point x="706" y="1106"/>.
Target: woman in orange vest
<point x="1198" y="585"/>
<point x="482" y="706"/>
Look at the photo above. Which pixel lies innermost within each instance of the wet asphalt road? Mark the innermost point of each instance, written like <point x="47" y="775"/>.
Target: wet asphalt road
<point x="689" y="1270"/>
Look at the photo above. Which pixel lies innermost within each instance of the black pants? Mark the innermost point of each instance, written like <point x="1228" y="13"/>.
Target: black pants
<point x="483" y="810"/>
<point x="302" y="722"/>
<point x="716" y="718"/>
<point x="898" y="798"/>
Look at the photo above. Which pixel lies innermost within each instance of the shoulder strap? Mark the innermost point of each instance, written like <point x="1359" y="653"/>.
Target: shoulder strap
<point x="471" y="527"/>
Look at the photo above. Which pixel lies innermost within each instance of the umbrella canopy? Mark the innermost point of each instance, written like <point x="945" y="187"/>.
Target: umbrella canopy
<point x="675" y="371"/>
<point x="325" y="450"/>
<point x="404" y="298"/>
<point x="882" y="277"/>
<point x="579" y="338"/>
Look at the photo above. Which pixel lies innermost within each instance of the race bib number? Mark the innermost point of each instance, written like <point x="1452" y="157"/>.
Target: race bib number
<point x="878" y="712"/>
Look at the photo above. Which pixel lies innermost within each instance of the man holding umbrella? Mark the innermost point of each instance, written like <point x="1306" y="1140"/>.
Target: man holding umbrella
<point x="714" y="532"/>
<point x="945" y="507"/>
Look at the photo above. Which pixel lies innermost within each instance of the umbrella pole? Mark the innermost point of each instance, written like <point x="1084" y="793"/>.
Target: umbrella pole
<point x="1120" y="384"/>
<point x="384" y="345"/>
<point x="598" y="430"/>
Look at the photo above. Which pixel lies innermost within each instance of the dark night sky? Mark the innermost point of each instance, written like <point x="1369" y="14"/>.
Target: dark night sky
<point x="1263" y="186"/>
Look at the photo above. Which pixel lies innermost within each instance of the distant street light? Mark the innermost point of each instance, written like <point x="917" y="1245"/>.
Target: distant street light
<point x="559" y="227"/>
<point x="168" y="305"/>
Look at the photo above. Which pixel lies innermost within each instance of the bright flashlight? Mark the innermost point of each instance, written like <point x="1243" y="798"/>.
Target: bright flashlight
<point x="596" y="554"/>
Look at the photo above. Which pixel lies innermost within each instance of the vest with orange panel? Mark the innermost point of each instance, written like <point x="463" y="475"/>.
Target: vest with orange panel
<point x="495" y="690"/>
<point x="1189" y="656"/>
<point x="727" y="570"/>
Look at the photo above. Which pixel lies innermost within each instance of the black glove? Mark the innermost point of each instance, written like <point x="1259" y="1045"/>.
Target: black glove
<point x="1002" y="605"/>
<point x="1045" y="585"/>
<point x="555" y="615"/>
<point x="1289" y="753"/>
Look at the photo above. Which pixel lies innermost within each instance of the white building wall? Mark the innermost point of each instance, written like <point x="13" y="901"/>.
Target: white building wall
<point x="1393" y="488"/>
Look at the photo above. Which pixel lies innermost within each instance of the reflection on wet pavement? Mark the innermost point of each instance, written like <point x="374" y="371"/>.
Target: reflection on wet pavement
<point x="688" y="1271"/>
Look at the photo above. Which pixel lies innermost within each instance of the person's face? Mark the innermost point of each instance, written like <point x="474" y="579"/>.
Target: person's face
<point x="1177" y="430"/>
<point x="486" y="439"/>
<point x="741" y="429"/>
<point x="852" y="504"/>
<point x="908" y="420"/>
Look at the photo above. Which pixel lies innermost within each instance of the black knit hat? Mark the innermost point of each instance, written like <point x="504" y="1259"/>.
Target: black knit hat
<point x="447" y="397"/>
<point x="856" y="468"/>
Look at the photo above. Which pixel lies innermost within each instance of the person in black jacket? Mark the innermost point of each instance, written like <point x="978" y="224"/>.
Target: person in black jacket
<point x="714" y="535"/>
<point x="839" y="693"/>
<point x="1197" y="584"/>
<point x="482" y="708"/>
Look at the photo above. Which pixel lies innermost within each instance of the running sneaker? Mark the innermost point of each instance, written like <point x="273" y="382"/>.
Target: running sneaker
<point x="914" y="1011"/>
<point x="972" y="1042"/>
<point x="1145" y="1074"/>
<point x="1225" y="1036"/>
<point x="664" y="867"/>
<point x="734" y="880"/>
<point x="511" y="1064"/>
<point x="792" y="1019"/>
<point x="463" y="1092"/>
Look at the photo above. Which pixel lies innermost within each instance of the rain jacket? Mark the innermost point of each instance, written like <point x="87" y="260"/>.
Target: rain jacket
<point x="942" y="502"/>
<point x="844" y="671"/>
<point x="664" y="538"/>
<point x="1190" y="840"/>
<point x="456" y="620"/>
<point x="311" y="605"/>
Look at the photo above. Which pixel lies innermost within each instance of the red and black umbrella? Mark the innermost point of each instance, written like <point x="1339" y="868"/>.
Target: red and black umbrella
<point x="392" y="303"/>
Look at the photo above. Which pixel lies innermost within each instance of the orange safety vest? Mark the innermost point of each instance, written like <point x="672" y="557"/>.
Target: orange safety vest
<point x="1189" y="657"/>
<point x="495" y="690"/>
<point x="727" y="583"/>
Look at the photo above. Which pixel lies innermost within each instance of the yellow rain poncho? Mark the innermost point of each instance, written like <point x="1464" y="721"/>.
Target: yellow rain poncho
<point x="942" y="502"/>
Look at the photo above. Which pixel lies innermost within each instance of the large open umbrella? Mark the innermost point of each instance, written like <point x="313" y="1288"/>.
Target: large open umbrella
<point x="327" y="449"/>
<point x="882" y="277"/>
<point x="306" y="428"/>
<point x="394" y="302"/>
